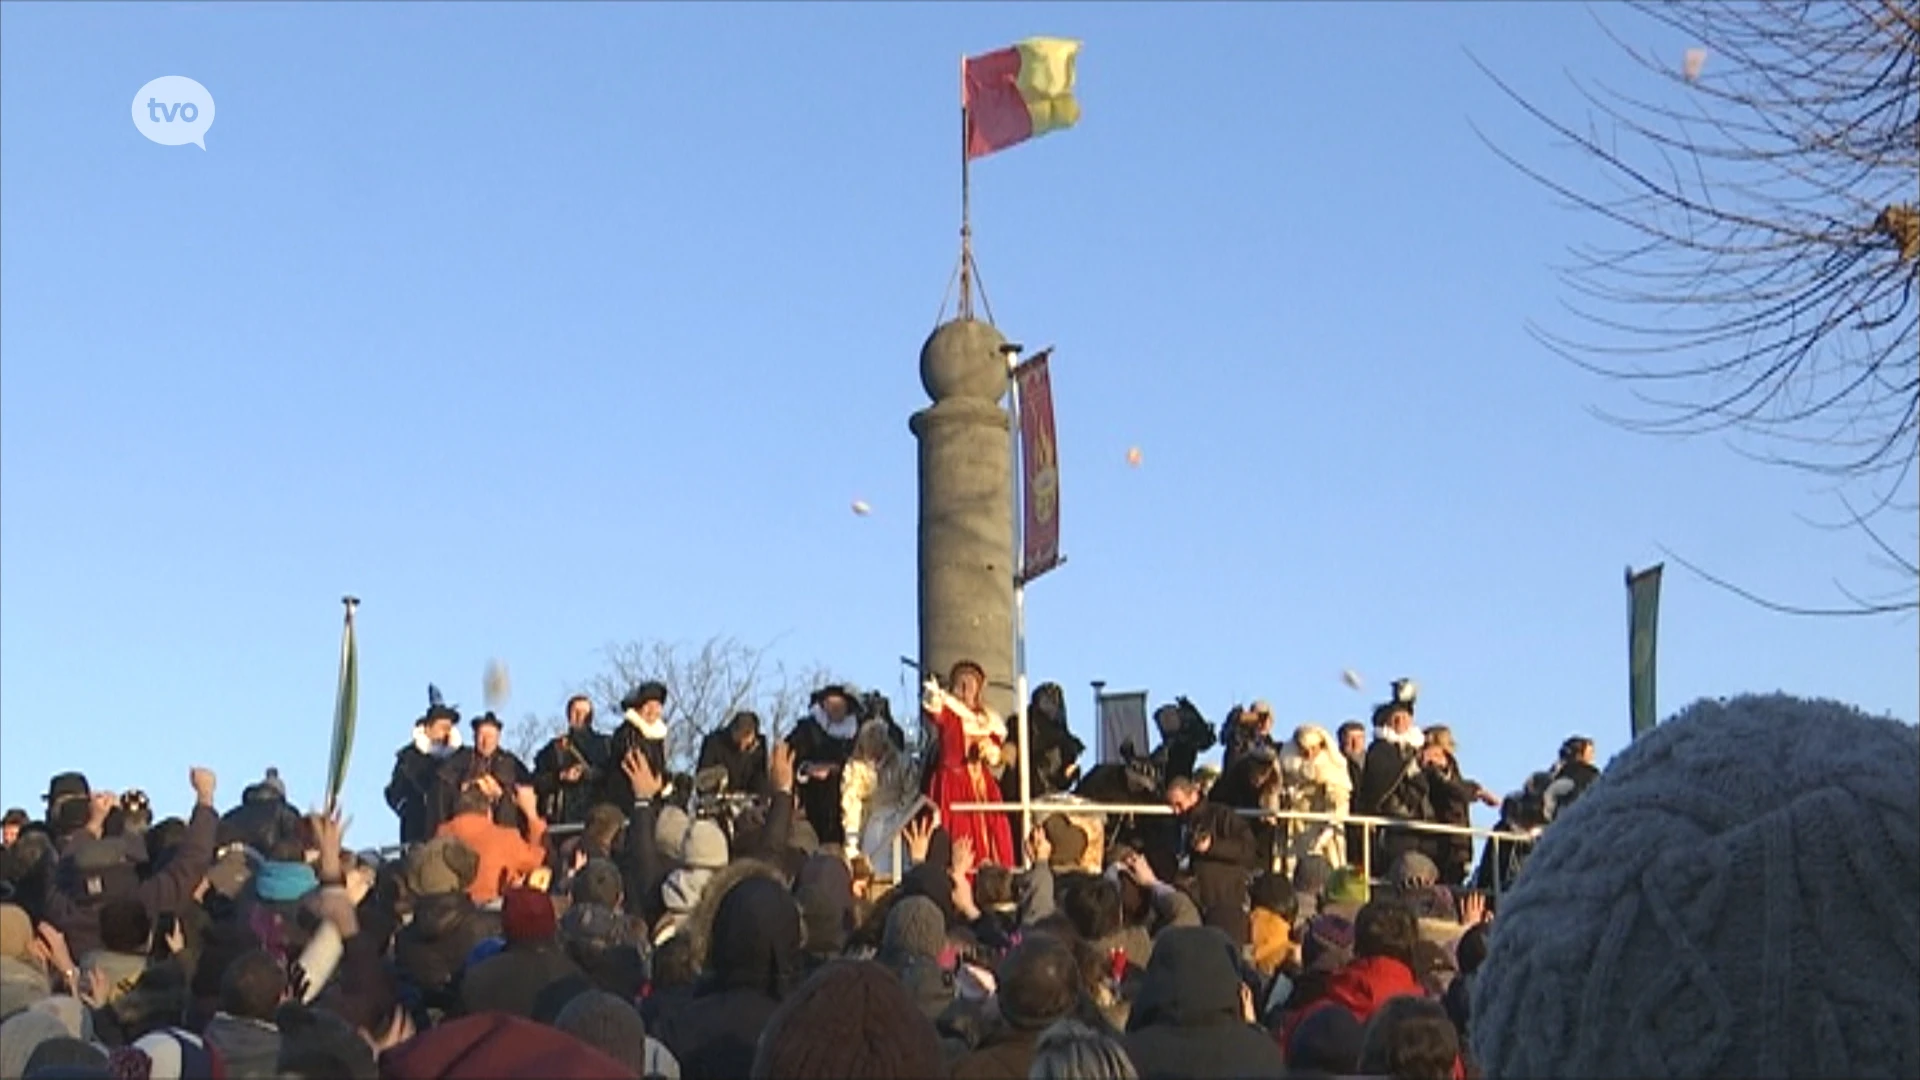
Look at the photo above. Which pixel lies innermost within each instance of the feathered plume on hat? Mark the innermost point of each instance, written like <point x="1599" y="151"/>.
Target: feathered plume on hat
<point x="1405" y="691"/>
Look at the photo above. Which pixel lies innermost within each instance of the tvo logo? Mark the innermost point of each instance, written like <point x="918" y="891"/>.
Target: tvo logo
<point x="174" y="110"/>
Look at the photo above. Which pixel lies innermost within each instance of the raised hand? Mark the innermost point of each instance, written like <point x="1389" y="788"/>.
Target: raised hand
<point x="964" y="859"/>
<point x="919" y="837"/>
<point x="1473" y="909"/>
<point x="780" y="766"/>
<point x="1140" y="870"/>
<point x="640" y="775"/>
<point x="1039" y="848"/>
<point x="202" y="780"/>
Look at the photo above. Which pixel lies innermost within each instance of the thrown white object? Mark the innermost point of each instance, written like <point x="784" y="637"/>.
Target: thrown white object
<point x="1696" y="59"/>
<point x="1134" y="457"/>
<point x="860" y="507"/>
<point x="1351" y="678"/>
<point x="495" y="684"/>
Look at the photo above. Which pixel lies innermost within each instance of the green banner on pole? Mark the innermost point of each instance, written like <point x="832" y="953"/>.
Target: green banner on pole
<point x="346" y="710"/>
<point x="1643" y="621"/>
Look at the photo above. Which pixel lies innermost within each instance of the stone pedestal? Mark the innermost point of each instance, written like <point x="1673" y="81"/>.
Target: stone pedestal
<point x="966" y="507"/>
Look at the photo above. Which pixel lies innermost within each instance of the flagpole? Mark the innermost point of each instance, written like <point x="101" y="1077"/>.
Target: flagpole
<point x="1023" y="726"/>
<point x="966" y="200"/>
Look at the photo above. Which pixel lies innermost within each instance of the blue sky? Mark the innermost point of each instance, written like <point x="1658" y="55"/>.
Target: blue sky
<point x="540" y="328"/>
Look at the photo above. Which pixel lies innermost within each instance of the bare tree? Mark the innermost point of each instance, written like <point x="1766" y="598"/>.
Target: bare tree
<point x="707" y="683"/>
<point x="1762" y="280"/>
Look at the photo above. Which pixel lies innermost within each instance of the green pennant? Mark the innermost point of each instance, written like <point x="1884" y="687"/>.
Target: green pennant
<point x="346" y="708"/>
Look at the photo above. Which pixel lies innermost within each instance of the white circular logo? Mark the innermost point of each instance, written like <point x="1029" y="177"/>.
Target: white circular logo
<point x="173" y="110"/>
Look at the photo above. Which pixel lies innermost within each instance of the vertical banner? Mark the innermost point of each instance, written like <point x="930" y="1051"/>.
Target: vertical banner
<point x="1643" y="621"/>
<point x="346" y="708"/>
<point x="1123" y="719"/>
<point x="1039" y="469"/>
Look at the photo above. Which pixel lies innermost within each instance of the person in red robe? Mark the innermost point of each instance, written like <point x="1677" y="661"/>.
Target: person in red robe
<point x="971" y="737"/>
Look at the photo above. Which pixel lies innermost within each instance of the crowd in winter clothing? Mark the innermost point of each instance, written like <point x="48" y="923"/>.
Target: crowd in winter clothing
<point x="1733" y="896"/>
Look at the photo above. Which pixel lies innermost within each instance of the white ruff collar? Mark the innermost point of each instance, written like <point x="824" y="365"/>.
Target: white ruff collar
<point x="652" y="729"/>
<point x="430" y="748"/>
<point x="1411" y="738"/>
<point x="844" y="728"/>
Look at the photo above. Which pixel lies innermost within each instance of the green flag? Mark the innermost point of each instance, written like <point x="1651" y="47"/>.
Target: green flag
<point x="1643" y="620"/>
<point x="346" y="707"/>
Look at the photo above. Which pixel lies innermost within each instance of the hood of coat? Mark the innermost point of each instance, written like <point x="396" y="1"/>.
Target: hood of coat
<point x="756" y="939"/>
<point x="1193" y="980"/>
<point x="698" y="928"/>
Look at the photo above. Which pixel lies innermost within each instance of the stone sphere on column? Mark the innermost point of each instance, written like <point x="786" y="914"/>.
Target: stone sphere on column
<point x="962" y="359"/>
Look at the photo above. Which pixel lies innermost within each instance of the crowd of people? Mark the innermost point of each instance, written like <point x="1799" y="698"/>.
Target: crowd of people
<point x="746" y="916"/>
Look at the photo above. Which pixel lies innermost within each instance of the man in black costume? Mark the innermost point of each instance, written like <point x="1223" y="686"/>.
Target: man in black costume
<point x="568" y="770"/>
<point x="414" y="786"/>
<point x="739" y="749"/>
<point x="821" y="744"/>
<point x="643" y="727"/>
<point x="487" y="767"/>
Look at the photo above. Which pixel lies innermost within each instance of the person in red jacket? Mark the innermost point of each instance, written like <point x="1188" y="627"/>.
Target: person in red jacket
<point x="1384" y="935"/>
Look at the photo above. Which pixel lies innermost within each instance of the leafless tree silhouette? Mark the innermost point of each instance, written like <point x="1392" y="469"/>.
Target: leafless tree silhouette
<point x="706" y="684"/>
<point x="1761" y="281"/>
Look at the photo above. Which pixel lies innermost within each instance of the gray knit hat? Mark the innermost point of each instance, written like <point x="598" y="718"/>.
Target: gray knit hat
<point x="609" y="1025"/>
<point x="1734" y="897"/>
<point x="915" y="927"/>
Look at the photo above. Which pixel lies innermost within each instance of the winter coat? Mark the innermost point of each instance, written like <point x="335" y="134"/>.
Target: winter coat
<point x="1451" y="796"/>
<point x="82" y="888"/>
<point x="1391" y="782"/>
<point x="1187" y="1020"/>
<point x="465" y="766"/>
<point x="431" y="950"/>
<point x="250" y="1048"/>
<point x="497" y="1047"/>
<point x="511" y="980"/>
<point x="563" y="802"/>
<point x="746" y="769"/>
<point x="1361" y="987"/>
<point x="1222" y="872"/>
<point x="752" y="961"/>
<point x="614" y="787"/>
<point x="505" y="856"/>
<point x="414" y="788"/>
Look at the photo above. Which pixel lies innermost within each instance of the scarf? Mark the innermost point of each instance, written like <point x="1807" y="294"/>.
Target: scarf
<point x="652" y="729"/>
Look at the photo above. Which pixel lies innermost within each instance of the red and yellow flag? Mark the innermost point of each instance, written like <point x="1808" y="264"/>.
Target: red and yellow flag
<point x="1017" y="93"/>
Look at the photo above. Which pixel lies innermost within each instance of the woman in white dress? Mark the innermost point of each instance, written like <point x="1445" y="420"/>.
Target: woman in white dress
<point x="1314" y="779"/>
<point x="877" y="798"/>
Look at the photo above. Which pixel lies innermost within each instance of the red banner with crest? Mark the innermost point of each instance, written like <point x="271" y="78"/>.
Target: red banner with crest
<point x="1039" y="469"/>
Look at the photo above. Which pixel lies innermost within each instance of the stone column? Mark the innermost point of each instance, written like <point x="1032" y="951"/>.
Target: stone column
<point x="966" y="507"/>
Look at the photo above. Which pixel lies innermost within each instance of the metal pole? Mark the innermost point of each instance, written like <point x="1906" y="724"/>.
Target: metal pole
<point x="966" y="200"/>
<point x="1100" y="747"/>
<point x="1022" y="725"/>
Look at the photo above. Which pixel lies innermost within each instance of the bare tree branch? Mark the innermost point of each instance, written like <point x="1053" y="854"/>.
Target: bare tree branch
<point x="1762" y="280"/>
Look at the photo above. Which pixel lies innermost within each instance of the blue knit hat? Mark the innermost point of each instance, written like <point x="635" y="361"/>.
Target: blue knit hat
<point x="1734" y="897"/>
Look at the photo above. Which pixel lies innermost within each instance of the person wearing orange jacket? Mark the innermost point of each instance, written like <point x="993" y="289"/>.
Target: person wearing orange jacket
<point x="506" y="857"/>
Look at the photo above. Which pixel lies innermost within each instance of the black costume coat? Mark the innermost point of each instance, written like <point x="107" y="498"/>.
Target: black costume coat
<point x="561" y="802"/>
<point x="820" y="799"/>
<point x="746" y="769"/>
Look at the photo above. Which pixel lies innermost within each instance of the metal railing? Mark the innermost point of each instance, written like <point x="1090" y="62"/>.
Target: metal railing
<point x="1367" y="823"/>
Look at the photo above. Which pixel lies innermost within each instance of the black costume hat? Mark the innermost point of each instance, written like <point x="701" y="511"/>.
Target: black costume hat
<point x="832" y="690"/>
<point x="438" y="709"/>
<point x="68" y="785"/>
<point x="486" y="719"/>
<point x="649" y="691"/>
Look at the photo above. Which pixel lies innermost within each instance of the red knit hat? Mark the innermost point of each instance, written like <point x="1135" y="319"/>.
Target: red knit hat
<point x="527" y="915"/>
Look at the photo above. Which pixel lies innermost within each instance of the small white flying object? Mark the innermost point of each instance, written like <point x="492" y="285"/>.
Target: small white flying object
<point x="861" y="508"/>
<point x="1134" y="457"/>
<point x="1696" y="59"/>
<point x="495" y="684"/>
<point x="1351" y="678"/>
